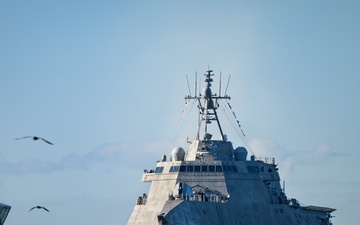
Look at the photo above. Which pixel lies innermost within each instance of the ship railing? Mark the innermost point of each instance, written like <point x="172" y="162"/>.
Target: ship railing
<point x="203" y="198"/>
<point x="267" y="160"/>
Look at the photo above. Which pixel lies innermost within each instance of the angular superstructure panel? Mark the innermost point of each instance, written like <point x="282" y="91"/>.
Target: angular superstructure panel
<point x="4" y="211"/>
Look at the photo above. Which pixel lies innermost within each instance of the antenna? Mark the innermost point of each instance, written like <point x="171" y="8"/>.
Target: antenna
<point x="188" y="84"/>
<point x="195" y="83"/>
<point x="199" y="84"/>
<point x="207" y="108"/>
<point x="216" y="102"/>
<point x="220" y="85"/>
<point x="227" y="84"/>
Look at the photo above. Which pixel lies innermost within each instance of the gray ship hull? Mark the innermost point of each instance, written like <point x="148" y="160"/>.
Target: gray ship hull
<point x="205" y="213"/>
<point x="183" y="212"/>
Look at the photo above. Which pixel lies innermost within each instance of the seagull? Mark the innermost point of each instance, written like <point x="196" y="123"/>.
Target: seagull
<point x="35" y="138"/>
<point x="39" y="207"/>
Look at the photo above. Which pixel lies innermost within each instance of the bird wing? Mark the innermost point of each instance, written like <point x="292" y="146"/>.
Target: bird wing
<point x="45" y="208"/>
<point x="23" y="137"/>
<point x="32" y="208"/>
<point x="46" y="141"/>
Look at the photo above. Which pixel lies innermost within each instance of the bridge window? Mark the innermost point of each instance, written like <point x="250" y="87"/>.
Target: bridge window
<point x="197" y="168"/>
<point x="189" y="168"/>
<point x="159" y="169"/>
<point x="211" y="168"/>
<point x="182" y="168"/>
<point x="204" y="168"/>
<point x="174" y="169"/>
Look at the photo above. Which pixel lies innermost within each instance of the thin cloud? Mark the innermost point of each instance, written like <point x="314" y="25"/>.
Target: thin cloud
<point x="129" y="154"/>
<point x="28" y="167"/>
<point x="290" y="160"/>
<point x="74" y="161"/>
<point x="144" y="154"/>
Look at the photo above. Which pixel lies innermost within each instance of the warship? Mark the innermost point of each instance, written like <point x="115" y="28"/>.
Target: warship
<point x="214" y="183"/>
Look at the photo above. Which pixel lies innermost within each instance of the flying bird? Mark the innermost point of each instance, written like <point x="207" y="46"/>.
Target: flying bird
<point x="35" y="138"/>
<point x="39" y="207"/>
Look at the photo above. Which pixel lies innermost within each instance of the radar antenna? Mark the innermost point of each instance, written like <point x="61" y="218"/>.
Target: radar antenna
<point x="207" y="108"/>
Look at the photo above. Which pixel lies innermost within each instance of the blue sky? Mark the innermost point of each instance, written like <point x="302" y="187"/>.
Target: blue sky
<point x="105" y="82"/>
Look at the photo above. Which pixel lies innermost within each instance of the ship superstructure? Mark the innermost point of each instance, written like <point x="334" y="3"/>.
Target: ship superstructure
<point x="212" y="183"/>
<point x="4" y="211"/>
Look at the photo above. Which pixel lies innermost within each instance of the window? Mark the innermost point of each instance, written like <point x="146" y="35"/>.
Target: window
<point x="204" y="168"/>
<point x="182" y="168"/>
<point x="159" y="169"/>
<point x="197" y="168"/>
<point x="190" y="168"/>
<point x="174" y="169"/>
<point x="211" y="168"/>
<point x="218" y="168"/>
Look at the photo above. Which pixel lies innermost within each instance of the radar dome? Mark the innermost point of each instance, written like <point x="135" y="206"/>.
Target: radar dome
<point x="240" y="154"/>
<point x="178" y="154"/>
<point x="206" y="92"/>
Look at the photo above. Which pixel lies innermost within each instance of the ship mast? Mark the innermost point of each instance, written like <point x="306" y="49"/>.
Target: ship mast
<point x="207" y="107"/>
